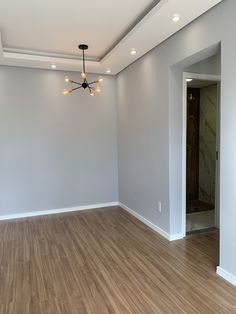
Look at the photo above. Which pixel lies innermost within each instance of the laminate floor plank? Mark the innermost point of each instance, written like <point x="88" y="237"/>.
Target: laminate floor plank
<point x="106" y="261"/>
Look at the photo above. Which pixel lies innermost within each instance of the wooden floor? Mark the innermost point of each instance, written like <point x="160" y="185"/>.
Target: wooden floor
<point x="105" y="261"/>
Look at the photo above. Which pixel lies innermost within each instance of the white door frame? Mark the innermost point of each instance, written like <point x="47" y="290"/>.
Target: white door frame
<point x="206" y="77"/>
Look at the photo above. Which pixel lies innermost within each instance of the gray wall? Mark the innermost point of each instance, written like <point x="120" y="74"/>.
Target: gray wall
<point x="56" y="151"/>
<point x="143" y="139"/>
<point x="210" y="65"/>
<point x="150" y="126"/>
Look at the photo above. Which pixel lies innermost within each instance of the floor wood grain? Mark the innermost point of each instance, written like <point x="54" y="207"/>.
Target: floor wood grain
<point x="106" y="261"/>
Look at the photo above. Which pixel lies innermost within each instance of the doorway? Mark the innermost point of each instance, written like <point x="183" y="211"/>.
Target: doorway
<point x="201" y="155"/>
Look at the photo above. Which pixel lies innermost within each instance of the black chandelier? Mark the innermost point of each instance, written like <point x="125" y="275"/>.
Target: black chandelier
<point x="85" y="84"/>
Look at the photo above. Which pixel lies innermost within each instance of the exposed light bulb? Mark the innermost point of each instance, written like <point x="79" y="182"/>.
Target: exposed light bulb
<point x="67" y="80"/>
<point x="133" y="51"/>
<point x="91" y="93"/>
<point x="175" y="18"/>
<point x="83" y="75"/>
<point x="108" y="71"/>
<point x="98" y="89"/>
<point x="53" y="66"/>
<point x="100" y="79"/>
<point x="66" y="91"/>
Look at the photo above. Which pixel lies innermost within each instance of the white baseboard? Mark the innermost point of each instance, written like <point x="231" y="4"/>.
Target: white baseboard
<point x="56" y="211"/>
<point x="151" y="225"/>
<point x="26" y="214"/>
<point x="226" y="275"/>
<point x="177" y="236"/>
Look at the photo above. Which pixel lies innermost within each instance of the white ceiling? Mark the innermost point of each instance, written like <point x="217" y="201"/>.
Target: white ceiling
<point x="57" y="26"/>
<point x="41" y="32"/>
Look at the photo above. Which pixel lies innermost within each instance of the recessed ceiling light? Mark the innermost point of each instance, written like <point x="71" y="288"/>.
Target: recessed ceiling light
<point x="189" y="80"/>
<point x="176" y="18"/>
<point x="133" y="51"/>
<point x="108" y="71"/>
<point x="53" y="66"/>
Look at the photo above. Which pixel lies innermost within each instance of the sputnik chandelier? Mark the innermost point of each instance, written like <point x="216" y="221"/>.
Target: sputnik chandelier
<point x="85" y="83"/>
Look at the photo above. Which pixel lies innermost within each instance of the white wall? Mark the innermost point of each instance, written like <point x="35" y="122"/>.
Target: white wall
<point x="56" y="151"/>
<point x="150" y="126"/>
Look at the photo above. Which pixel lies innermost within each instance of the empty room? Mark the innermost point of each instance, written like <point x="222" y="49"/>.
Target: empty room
<point x="117" y="156"/>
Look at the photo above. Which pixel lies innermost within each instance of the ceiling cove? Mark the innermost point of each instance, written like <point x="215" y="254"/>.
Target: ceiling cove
<point x="44" y="33"/>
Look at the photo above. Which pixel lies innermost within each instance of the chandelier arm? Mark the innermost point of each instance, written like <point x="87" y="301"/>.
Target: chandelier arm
<point x="93" y="82"/>
<point x="75" y="88"/>
<point x="91" y="90"/>
<point x="76" y="83"/>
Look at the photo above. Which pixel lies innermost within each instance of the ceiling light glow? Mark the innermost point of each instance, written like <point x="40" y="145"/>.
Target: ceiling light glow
<point x="133" y="51"/>
<point x="53" y="66"/>
<point x="189" y="80"/>
<point x="175" y="18"/>
<point x="108" y="71"/>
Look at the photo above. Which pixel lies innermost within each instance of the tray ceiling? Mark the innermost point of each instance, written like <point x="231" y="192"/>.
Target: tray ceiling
<point x="39" y="33"/>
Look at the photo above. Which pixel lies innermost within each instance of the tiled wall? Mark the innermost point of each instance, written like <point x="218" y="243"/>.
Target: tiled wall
<point x="207" y="145"/>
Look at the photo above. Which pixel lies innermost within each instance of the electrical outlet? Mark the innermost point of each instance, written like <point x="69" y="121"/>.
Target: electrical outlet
<point x="159" y="207"/>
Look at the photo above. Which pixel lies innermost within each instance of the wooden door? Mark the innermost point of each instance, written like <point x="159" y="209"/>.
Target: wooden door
<point x="192" y="171"/>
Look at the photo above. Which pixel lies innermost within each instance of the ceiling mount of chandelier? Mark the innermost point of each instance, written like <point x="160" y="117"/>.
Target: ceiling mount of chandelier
<point x="84" y="84"/>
